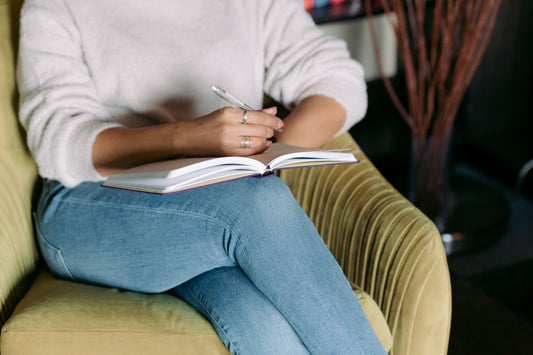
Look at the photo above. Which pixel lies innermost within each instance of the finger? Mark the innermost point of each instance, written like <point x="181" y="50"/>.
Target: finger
<point x="270" y="110"/>
<point x="251" y="145"/>
<point x="263" y="119"/>
<point x="254" y="130"/>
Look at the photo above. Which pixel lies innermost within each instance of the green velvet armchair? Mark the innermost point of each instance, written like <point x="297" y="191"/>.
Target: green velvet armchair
<point x="385" y="246"/>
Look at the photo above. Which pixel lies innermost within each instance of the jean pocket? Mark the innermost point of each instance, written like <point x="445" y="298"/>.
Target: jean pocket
<point x="52" y="255"/>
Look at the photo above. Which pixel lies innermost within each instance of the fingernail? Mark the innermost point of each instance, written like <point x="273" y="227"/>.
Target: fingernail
<point x="271" y="110"/>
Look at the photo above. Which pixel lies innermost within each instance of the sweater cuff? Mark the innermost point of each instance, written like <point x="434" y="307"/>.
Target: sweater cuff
<point x="77" y="164"/>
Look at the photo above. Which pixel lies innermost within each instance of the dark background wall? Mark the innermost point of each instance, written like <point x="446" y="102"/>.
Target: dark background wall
<point x="494" y="128"/>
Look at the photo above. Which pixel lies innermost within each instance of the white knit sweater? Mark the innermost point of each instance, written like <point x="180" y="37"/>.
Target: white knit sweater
<point x="84" y="64"/>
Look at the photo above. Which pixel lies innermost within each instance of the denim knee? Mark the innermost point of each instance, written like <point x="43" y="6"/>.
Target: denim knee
<point x="269" y="198"/>
<point x="270" y="219"/>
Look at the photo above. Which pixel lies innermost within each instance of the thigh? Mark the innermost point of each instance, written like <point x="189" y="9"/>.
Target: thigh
<point x="246" y="321"/>
<point x="142" y="241"/>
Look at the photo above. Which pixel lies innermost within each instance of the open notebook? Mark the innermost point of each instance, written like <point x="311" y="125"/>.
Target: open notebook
<point x="186" y="173"/>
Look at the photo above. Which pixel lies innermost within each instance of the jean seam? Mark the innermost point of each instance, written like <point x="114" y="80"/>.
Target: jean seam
<point x="56" y="249"/>
<point x="193" y="293"/>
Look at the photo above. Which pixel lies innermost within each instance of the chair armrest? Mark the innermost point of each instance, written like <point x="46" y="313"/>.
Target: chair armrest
<point x="18" y="174"/>
<point x="384" y="244"/>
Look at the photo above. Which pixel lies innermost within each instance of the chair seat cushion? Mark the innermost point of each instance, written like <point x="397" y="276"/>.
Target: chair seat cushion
<point x="62" y="317"/>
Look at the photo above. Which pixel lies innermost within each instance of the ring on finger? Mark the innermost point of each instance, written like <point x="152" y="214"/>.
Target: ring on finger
<point x="245" y="117"/>
<point x="245" y="142"/>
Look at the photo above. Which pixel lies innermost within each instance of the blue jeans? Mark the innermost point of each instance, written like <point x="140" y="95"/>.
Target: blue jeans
<point x="243" y="253"/>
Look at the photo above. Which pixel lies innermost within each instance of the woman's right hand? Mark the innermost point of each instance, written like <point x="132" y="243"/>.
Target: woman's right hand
<point x="221" y="132"/>
<point x="218" y="133"/>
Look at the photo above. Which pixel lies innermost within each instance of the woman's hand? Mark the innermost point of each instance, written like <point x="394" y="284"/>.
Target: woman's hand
<point x="218" y="133"/>
<point x="222" y="132"/>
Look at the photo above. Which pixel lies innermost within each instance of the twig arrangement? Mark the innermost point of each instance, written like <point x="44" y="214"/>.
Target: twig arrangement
<point x="439" y="57"/>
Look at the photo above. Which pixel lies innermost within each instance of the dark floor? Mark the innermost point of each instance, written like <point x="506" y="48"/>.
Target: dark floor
<point x="493" y="288"/>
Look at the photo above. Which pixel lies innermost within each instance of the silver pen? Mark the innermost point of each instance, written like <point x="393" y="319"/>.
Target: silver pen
<point x="233" y="101"/>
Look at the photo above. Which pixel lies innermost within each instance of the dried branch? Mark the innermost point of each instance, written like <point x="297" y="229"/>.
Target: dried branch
<point x="388" y="85"/>
<point x="438" y="68"/>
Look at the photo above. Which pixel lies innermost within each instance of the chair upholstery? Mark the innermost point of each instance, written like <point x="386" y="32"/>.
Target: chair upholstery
<point x="18" y="253"/>
<point x="384" y="245"/>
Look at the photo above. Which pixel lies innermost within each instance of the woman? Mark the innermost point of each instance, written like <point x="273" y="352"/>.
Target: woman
<point x="107" y="85"/>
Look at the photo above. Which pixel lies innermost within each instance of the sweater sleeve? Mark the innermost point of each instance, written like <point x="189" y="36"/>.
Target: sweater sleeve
<point x="59" y="106"/>
<point x="302" y="61"/>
